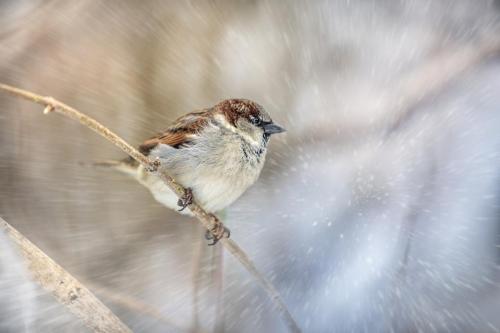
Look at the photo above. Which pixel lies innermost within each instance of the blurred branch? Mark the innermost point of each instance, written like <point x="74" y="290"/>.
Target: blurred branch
<point x="65" y="288"/>
<point x="406" y="239"/>
<point x="404" y="98"/>
<point x="134" y="304"/>
<point x="218" y="274"/>
<point x="154" y="166"/>
<point x="435" y="75"/>
<point x="196" y="279"/>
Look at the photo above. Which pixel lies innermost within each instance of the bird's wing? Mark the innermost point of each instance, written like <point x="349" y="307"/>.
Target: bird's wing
<point x="180" y="134"/>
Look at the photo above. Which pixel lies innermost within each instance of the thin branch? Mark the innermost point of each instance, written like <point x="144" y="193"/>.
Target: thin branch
<point x="65" y="288"/>
<point x="206" y="219"/>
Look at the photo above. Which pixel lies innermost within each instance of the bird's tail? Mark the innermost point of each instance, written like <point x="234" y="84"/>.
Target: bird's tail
<point x="128" y="165"/>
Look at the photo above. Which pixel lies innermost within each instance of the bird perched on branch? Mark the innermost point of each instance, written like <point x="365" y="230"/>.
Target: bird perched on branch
<point x="216" y="154"/>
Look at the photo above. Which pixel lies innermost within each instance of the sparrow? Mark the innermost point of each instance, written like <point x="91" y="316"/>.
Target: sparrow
<point x="216" y="154"/>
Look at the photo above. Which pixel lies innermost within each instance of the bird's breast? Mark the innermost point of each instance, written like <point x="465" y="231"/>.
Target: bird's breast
<point x="219" y="183"/>
<point x="216" y="169"/>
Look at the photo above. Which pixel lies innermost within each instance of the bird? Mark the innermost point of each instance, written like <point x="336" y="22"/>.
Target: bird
<point x="216" y="154"/>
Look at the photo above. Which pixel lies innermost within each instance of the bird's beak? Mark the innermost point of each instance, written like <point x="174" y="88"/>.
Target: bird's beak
<point x="272" y="128"/>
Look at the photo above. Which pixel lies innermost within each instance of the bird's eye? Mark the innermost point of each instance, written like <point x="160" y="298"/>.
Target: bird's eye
<point x="256" y="121"/>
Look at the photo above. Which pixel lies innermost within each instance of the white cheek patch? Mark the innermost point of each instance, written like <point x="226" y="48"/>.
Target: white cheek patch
<point x="223" y="121"/>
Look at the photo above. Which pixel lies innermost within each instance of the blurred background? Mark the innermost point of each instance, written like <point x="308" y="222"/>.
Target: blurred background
<point x="377" y="211"/>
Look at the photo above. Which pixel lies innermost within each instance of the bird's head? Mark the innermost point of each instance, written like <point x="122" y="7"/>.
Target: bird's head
<point x="248" y="119"/>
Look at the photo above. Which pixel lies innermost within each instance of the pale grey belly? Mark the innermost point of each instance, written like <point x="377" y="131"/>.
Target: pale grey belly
<point x="218" y="176"/>
<point x="213" y="192"/>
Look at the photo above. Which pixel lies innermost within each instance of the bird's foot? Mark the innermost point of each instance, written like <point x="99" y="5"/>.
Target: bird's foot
<point x="186" y="199"/>
<point x="217" y="232"/>
<point x="153" y="165"/>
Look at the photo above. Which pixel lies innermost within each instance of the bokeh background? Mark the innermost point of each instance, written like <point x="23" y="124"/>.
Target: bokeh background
<point x="377" y="211"/>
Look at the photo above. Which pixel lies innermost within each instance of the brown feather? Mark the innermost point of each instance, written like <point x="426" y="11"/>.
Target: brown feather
<point x="179" y="134"/>
<point x="185" y="129"/>
<point x="235" y="108"/>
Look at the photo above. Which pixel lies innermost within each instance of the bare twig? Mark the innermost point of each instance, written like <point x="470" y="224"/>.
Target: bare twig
<point x="206" y="219"/>
<point x="65" y="288"/>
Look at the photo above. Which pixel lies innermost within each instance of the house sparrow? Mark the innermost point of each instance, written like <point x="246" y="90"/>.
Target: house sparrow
<point x="216" y="154"/>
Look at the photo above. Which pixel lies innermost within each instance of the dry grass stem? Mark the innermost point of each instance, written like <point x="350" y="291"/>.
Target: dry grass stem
<point x="206" y="219"/>
<point x="65" y="288"/>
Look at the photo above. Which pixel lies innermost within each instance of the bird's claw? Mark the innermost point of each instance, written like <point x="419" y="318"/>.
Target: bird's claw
<point x="153" y="165"/>
<point x="217" y="232"/>
<point x="186" y="199"/>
